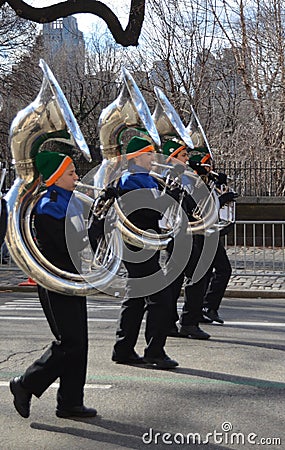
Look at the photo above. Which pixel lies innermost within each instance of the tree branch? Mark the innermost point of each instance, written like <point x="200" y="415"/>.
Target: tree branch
<point x="126" y="37"/>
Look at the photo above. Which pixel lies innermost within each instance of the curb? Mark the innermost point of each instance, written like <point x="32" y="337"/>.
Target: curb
<point x="250" y="293"/>
<point x="16" y="288"/>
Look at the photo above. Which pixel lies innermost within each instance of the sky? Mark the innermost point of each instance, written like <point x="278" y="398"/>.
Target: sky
<point x="87" y="21"/>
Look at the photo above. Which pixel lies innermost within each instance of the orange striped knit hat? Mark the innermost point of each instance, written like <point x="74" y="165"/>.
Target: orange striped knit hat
<point x="52" y="165"/>
<point x="172" y="148"/>
<point x="138" y="145"/>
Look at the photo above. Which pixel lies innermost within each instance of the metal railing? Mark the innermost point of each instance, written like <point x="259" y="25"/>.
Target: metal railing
<point x="249" y="178"/>
<point x="255" y="178"/>
<point x="254" y="248"/>
<point x="257" y="248"/>
<point x="6" y="261"/>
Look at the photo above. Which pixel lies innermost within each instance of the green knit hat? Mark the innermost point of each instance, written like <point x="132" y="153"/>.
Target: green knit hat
<point x="52" y="165"/>
<point x="199" y="155"/>
<point x="138" y="145"/>
<point x="172" y="148"/>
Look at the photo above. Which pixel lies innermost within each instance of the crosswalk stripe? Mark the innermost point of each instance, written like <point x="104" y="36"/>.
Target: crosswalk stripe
<point x="26" y="305"/>
<point x="43" y="318"/>
<point x="91" y="319"/>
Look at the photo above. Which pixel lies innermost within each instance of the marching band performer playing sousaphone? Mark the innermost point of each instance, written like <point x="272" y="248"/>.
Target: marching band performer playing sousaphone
<point x="200" y="205"/>
<point x="219" y="273"/>
<point x="66" y="358"/>
<point x="146" y="283"/>
<point x="52" y="174"/>
<point x="143" y="205"/>
<point x="177" y="155"/>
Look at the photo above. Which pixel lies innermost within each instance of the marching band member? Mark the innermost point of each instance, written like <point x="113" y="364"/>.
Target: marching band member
<point x="141" y="198"/>
<point x="66" y="358"/>
<point x="219" y="273"/>
<point x="177" y="154"/>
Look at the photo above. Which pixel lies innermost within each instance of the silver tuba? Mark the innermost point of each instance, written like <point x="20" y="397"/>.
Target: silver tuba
<point x="128" y="111"/>
<point x="167" y="120"/>
<point x="169" y="125"/>
<point x="48" y="117"/>
<point x="227" y="213"/>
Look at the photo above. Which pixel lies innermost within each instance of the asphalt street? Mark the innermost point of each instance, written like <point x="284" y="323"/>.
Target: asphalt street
<point x="227" y="393"/>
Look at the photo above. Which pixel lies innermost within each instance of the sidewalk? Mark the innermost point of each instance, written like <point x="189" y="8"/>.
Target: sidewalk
<point x="239" y="286"/>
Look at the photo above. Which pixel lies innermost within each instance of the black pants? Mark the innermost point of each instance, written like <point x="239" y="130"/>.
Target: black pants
<point x="217" y="277"/>
<point x="156" y="306"/>
<point x="193" y="291"/>
<point x="66" y="357"/>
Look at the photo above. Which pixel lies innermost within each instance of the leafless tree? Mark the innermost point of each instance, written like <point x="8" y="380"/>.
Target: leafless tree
<point x="174" y="33"/>
<point x="226" y="59"/>
<point x="17" y="38"/>
<point x="255" y="35"/>
<point x="126" y="37"/>
<point x="176" y="50"/>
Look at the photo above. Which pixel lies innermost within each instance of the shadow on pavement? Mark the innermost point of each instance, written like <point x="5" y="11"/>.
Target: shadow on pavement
<point x="128" y="436"/>
<point x="233" y="379"/>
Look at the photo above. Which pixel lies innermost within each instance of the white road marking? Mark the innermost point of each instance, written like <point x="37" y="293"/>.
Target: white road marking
<point x="256" y="324"/>
<point x="32" y="304"/>
<point x="29" y="304"/>
<point x="231" y="323"/>
<point x="56" y="385"/>
<point x="43" y="318"/>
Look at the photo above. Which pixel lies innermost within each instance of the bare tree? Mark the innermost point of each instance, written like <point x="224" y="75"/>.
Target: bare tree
<point x="16" y="36"/>
<point x="225" y="59"/>
<point x="126" y="37"/>
<point x="175" y="50"/>
<point x="255" y="34"/>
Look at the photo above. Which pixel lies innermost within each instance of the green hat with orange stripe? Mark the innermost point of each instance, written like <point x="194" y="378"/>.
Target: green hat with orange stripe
<point x="200" y="155"/>
<point x="52" y="165"/>
<point x="171" y="148"/>
<point x="138" y="145"/>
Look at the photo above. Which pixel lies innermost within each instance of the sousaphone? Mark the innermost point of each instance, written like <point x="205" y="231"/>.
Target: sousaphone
<point x="128" y="111"/>
<point x="227" y="213"/>
<point x="48" y="117"/>
<point x="170" y="126"/>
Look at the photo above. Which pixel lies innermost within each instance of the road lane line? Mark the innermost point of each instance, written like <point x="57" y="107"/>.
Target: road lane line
<point x="56" y="385"/>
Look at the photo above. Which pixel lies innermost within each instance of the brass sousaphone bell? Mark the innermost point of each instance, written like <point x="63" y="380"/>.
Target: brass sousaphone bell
<point x="48" y="117"/>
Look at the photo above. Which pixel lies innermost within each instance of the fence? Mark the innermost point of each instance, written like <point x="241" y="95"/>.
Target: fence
<point x="254" y="248"/>
<point x="249" y="178"/>
<point x="255" y="178"/>
<point x="257" y="248"/>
